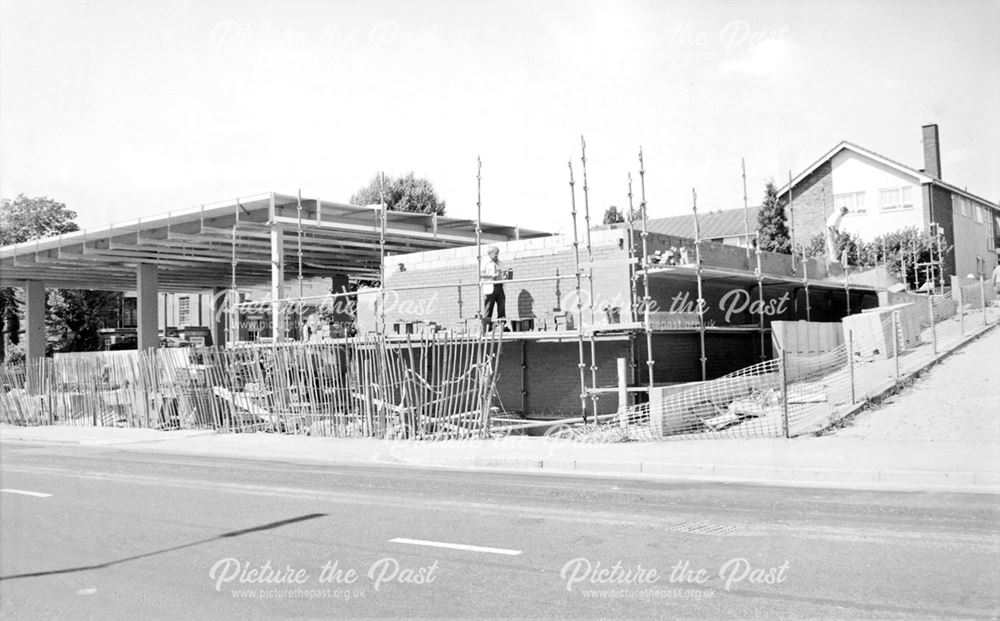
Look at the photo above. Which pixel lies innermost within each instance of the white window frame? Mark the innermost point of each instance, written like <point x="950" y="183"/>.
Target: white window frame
<point x="901" y="203"/>
<point x="183" y="311"/>
<point x="854" y="201"/>
<point x="979" y="213"/>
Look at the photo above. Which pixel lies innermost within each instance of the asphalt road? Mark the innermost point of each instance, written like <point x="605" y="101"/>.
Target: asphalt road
<point x="105" y="533"/>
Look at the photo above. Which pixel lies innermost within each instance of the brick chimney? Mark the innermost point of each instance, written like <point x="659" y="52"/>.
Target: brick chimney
<point x="932" y="151"/>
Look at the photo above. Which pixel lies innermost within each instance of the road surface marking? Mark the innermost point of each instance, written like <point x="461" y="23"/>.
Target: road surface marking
<point x="455" y="546"/>
<point x="86" y="591"/>
<point x="25" y="493"/>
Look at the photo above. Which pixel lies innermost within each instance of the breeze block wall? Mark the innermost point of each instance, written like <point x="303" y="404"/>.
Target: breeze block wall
<point x="441" y="286"/>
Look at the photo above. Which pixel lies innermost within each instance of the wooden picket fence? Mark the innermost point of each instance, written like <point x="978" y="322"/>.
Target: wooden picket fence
<point x="423" y="387"/>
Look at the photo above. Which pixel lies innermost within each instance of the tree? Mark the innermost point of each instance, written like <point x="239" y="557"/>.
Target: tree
<point x="613" y="215"/>
<point x="406" y="193"/>
<point x="24" y="219"/>
<point x="894" y="250"/>
<point x="772" y="230"/>
<point x="72" y="316"/>
<point x="21" y="220"/>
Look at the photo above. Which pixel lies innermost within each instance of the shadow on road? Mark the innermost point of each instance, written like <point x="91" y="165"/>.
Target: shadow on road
<point x="234" y="533"/>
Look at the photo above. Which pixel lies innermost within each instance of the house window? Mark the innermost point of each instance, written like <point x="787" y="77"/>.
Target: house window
<point x="892" y="199"/>
<point x="854" y="201"/>
<point x="979" y="213"/>
<point x="183" y="311"/>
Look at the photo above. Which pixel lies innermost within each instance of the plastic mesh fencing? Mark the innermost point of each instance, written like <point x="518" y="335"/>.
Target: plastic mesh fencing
<point x="800" y="393"/>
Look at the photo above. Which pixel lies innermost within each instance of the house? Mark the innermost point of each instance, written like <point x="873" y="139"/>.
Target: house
<point x="884" y="196"/>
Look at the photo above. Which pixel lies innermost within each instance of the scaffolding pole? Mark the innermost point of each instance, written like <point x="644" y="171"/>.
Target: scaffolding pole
<point x="479" y="234"/>
<point x="381" y="249"/>
<point x="760" y="294"/>
<point x="298" y="213"/>
<point x="701" y="298"/>
<point x="746" y="208"/>
<point x="791" y="217"/>
<point x="590" y="281"/>
<point x="805" y="281"/>
<point x="579" y="302"/>
<point x="645" y="267"/>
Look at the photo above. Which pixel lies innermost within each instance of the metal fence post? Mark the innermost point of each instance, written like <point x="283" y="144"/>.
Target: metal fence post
<point x="895" y="341"/>
<point x="622" y="394"/>
<point x="982" y="296"/>
<point x="784" y="393"/>
<point x="961" y="310"/>
<point x="850" y="361"/>
<point x="930" y="309"/>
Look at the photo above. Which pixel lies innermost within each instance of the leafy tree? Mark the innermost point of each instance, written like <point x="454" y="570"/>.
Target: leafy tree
<point x="24" y="219"/>
<point x="72" y="317"/>
<point x="613" y="216"/>
<point x="892" y="250"/>
<point x="406" y="193"/>
<point x="771" y="223"/>
<point x="75" y="316"/>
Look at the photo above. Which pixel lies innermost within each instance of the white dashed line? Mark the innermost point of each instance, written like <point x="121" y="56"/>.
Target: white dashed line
<point x="455" y="546"/>
<point x="25" y="493"/>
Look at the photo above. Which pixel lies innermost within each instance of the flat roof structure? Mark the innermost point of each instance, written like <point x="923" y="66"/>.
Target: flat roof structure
<point x="250" y="241"/>
<point x="195" y="249"/>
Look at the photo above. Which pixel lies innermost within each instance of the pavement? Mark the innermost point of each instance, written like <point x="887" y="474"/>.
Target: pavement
<point x="942" y="433"/>
<point x="957" y="400"/>
<point x="809" y="461"/>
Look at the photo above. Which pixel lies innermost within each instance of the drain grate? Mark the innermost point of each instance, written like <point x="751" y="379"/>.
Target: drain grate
<point x="702" y="528"/>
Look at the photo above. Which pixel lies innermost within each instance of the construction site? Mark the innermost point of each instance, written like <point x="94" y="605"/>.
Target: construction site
<point x="612" y="333"/>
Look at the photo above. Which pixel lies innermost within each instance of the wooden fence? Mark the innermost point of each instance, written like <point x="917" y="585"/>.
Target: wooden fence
<point x="426" y="387"/>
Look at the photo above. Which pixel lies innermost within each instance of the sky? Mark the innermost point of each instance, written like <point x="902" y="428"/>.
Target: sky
<point x="125" y="109"/>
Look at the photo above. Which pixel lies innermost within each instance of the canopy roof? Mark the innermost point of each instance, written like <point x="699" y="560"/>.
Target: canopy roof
<point x="195" y="249"/>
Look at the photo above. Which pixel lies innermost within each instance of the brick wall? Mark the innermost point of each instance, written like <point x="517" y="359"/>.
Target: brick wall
<point x="812" y="201"/>
<point x="552" y="376"/>
<point x="413" y="294"/>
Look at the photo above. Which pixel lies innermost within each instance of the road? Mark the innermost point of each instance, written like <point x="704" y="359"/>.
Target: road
<point x="96" y="532"/>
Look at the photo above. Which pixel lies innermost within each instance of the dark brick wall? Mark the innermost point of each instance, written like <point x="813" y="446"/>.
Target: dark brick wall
<point x="812" y="200"/>
<point x="938" y="208"/>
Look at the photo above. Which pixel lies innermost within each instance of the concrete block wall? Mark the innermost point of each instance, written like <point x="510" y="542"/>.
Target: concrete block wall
<point x="457" y="304"/>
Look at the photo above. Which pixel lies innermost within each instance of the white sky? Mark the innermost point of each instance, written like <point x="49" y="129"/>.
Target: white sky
<point x="127" y="109"/>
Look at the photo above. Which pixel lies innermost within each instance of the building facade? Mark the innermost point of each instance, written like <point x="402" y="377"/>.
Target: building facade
<point x="884" y="196"/>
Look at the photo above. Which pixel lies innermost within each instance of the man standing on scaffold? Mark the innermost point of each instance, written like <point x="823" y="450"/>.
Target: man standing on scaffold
<point x="832" y="230"/>
<point x="493" y="271"/>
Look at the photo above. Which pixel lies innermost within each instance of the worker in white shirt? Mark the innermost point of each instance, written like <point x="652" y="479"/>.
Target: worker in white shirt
<point x="996" y="277"/>
<point x="493" y="274"/>
<point x="832" y="230"/>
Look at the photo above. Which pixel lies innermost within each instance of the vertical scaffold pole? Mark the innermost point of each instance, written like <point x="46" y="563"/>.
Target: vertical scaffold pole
<point x="760" y="294"/>
<point x="381" y="249"/>
<point x="234" y="297"/>
<point x="590" y="281"/>
<point x="633" y="275"/>
<point x="791" y="218"/>
<point x="847" y="280"/>
<point x="746" y="209"/>
<point x="479" y="235"/>
<point x="982" y="296"/>
<point x="645" y="269"/>
<point x="298" y="209"/>
<point x="697" y="271"/>
<point x="805" y="282"/>
<point x="579" y="301"/>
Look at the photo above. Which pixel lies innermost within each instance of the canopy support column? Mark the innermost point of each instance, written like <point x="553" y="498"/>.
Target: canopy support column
<point x="147" y="283"/>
